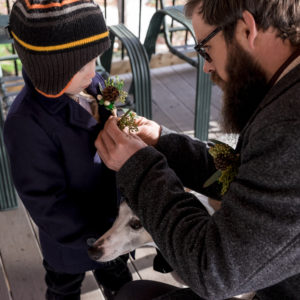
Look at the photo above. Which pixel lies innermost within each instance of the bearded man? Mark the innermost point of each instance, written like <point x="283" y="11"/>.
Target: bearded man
<point x="252" y="50"/>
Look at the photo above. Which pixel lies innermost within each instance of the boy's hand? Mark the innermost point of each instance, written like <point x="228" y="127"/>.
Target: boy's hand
<point x="114" y="146"/>
<point x="149" y="131"/>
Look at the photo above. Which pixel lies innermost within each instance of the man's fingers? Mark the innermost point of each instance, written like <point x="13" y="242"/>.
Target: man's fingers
<point x="101" y="147"/>
<point x="112" y="129"/>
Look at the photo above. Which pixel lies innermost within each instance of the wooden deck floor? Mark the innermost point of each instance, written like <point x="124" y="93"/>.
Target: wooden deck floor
<point x="21" y="272"/>
<point x="173" y="98"/>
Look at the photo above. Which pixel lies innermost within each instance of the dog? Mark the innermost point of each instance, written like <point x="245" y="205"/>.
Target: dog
<point x="126" y="235"/>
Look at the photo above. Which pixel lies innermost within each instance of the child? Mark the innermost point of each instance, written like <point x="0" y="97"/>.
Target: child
<point x="50" y="134"/>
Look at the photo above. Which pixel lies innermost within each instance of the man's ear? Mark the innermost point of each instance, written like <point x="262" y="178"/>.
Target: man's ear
<point x="246" y="30"/>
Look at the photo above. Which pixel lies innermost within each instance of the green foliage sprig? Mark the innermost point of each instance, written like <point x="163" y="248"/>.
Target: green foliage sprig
<point x="128" y="120"/>
<point x="226" y="162"/>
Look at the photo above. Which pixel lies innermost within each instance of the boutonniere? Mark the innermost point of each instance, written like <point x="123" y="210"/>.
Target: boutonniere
<point x="226" y="162"/>
<point x="113" y="92"/>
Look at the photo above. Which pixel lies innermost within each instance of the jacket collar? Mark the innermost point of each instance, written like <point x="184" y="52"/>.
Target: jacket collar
<point x="284" y="84"/>
<point x="78" y="116"/>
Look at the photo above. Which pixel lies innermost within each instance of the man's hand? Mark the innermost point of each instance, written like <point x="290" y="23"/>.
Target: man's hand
<point x="114" y="146"/>
<point x="149" y="131"/>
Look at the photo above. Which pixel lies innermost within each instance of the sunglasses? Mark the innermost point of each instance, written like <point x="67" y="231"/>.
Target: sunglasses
<point x="200" y="46"/>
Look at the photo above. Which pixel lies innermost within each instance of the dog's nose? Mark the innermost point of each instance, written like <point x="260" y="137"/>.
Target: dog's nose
<point x="95" y="253"/>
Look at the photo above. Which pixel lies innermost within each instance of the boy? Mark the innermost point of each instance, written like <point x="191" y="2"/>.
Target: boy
<point x="50" y="133"/>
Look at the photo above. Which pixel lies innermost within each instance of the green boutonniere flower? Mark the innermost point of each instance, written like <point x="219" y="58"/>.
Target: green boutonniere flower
<point x="112" y="93"/>
<point x="226" y="162"/>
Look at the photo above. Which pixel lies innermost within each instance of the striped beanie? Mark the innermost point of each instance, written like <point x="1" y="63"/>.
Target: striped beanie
<point x="56" y="38"/>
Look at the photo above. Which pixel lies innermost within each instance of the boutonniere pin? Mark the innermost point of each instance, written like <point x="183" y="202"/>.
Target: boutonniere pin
<point x="113" y="92"/>
<point x="226" y="162"/>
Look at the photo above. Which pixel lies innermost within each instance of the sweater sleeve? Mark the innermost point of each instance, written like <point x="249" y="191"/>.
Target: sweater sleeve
<point x="39" y="178"/>
<point x="187" y="156"/>
<point x="252" y="242"/>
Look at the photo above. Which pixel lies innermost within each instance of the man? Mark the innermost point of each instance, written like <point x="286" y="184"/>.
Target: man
<point x="252" y="243"/>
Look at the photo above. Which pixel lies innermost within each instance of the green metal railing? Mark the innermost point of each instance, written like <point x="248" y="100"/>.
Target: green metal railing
<point x="8" y="197"/>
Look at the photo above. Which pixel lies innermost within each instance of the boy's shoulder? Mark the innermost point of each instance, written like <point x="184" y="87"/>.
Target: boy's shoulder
<point x="19" y="104"/>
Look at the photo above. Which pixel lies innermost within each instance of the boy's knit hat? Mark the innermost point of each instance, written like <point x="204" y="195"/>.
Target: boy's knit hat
<point x="56" y="38"/>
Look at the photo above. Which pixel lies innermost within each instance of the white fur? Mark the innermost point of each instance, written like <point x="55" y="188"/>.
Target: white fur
<point x="122" y="237"/>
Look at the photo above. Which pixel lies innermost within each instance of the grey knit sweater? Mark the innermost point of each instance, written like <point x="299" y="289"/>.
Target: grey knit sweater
<point x="253" y="242"/>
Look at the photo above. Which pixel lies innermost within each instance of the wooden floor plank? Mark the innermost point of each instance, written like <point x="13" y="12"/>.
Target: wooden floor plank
<point x="172" y="106"/>
<point x="144" y="263"/>
<point x="162" y="118"/>
<point x="188" y="73"/>
<point x="175" y="83"/>
<point x="20" y="256"/>
<point x="4" y="287"/>
<point x="90" y="289"/>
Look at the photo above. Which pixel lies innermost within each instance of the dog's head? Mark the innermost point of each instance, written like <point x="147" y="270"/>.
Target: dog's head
<point x="126" y="235"/>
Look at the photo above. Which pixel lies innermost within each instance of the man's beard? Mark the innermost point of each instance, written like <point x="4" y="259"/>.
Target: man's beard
<point x="243" y="91"/>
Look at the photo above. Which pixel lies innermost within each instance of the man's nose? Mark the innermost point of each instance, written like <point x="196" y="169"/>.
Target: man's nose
<point x="208" y="67"/>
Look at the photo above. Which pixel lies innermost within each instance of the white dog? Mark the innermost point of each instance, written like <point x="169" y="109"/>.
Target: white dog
<point x="126" y="235"/>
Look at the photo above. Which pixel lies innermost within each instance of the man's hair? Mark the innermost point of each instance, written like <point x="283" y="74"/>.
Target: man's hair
<point x="283" y="15"/>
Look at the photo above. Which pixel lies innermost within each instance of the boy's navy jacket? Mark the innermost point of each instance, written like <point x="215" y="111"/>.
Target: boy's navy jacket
<point x="70" y="194"/>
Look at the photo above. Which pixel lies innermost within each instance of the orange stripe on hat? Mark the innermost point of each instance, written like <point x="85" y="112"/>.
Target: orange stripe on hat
<point x="59" y="94"/>
<point x="81" y="42"/>
<point x="43" y="6"/>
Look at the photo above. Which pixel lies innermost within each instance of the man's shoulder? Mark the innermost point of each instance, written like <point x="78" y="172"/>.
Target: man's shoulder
<point x="279" y="112"/>
<point x="286" y="87"/>
<point x="282" y="101"/>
